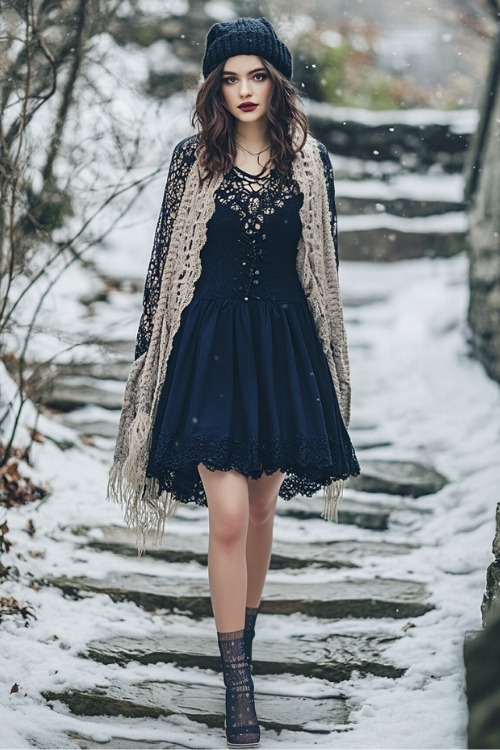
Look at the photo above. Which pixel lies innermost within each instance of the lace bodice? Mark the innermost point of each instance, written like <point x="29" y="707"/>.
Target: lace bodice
<point x="252" y="240"/>
<point x="183" y="159"/>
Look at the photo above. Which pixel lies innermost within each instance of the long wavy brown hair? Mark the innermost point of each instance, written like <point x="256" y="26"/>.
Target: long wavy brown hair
<point x="215" y="124"/>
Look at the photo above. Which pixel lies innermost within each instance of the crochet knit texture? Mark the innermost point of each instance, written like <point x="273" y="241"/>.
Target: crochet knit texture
<point x="189" y="203"/>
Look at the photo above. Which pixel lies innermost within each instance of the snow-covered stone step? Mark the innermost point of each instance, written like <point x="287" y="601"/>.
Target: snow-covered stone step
<point x="343" y="598"/>
<point x="112" y="369"/>
<point x="119" y="743"/>
<point x="74" y="391"/>
<point x="182" y="548"/>
<point x="385" y="237"/>
<point x="413" y="139"/>
<point x="334" y="658"/>
<point x="351" y="512"/>
<point x="205" y="704"/>
<point x="366" y="515"/>
<point x="406" y="195"/>
<point x="407" y="478"/>
<point x="408" y="208"/>
<point x="93" y="421"/>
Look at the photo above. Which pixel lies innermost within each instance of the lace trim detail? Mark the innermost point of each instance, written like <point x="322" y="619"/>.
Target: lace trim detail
<point x="183" y="159"/>
<point x="309" y="464"/>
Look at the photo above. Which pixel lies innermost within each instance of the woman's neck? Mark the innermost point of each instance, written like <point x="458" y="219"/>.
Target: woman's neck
<point x="253" y="136"/>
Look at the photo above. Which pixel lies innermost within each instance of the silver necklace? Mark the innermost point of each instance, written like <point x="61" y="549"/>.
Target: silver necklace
<point x="257" y="153"/>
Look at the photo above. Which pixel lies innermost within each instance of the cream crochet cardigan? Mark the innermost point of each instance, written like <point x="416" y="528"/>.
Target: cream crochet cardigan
<point x="144" y="508"/>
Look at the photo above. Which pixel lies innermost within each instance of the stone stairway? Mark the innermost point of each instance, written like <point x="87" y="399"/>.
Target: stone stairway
<point x="325" y="616"/>
<point x="327" y="613"/>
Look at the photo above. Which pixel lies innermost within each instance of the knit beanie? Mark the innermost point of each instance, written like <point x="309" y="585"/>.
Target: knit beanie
<point x="246" y="36"/>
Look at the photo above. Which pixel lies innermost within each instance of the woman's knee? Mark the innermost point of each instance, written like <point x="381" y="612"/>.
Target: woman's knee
<point x="262" y="510"/>
<point x="263" y="496"/>
<point x="229" y="523"/>
<point x="227" y="499"/>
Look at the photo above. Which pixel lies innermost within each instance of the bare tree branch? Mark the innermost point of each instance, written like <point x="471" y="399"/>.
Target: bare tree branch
<point x="68" y="92"/>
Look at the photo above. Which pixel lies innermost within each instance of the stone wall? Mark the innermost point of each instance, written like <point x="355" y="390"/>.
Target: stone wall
<point x="490" y="608"/>
<point x="483" y="192"/>
<point x="482" y="659"/>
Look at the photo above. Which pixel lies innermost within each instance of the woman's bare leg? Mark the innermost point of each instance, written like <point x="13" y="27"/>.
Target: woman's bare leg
<point x="263" y="494"/>
<point x="228" y="511"/>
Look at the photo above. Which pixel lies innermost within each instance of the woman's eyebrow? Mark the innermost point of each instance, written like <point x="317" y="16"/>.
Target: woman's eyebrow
<point x="250" y="72"/>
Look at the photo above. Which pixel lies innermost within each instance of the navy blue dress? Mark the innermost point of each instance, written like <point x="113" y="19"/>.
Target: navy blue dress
<point x="248" y="386"/>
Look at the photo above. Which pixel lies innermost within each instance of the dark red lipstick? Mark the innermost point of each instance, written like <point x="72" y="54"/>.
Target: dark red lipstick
<point x="248" y="106"/>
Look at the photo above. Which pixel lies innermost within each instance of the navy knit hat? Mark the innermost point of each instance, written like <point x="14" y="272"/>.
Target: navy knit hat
<point x="246" y="36"/>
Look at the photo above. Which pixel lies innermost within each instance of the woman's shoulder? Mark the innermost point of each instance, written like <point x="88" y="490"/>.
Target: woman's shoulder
<point x="186" y="149"/>
<point x="314" y="146"/>
<point x="315" y="153"/>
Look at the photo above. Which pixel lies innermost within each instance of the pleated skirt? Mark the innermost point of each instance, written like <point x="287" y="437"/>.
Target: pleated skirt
<point x="248" y="388"/>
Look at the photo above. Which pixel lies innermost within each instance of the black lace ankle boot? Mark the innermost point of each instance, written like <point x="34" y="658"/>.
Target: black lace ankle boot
<point x="250" y="618"/>
<point x="242" y="726"/>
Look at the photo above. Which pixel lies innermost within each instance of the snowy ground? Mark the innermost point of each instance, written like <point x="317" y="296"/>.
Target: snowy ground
<point x="414" y="386"/>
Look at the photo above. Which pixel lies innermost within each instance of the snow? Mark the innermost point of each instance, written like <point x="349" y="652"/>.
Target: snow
<point x="453" y="221"/>
<point x="460" y="121"/>
<point x="413" y="380"/>
<point x="443" y="188"/>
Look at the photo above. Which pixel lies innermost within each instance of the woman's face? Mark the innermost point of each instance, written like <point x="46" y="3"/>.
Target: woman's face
<point x="246" y="87"/>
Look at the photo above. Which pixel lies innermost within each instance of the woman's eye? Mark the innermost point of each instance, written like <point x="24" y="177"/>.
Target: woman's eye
<point x="229" y="79"/>
<point x="260" y="76"/>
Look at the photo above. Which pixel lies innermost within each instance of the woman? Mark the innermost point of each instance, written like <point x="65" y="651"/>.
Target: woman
<point x="240" y="387"/>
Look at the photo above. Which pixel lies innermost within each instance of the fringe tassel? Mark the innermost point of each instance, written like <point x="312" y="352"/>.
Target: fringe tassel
<point x="145" y="510"/>
<point x="333" y="496"/>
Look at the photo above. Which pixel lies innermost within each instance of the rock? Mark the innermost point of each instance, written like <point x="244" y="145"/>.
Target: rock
<point x="118" y="743"/>
<point x="113" y="370"/>
<point x="394" y="136"/>
<point x="405" y="207"/>
<point x="98" y="428"/>
<point x="176" y="548"/>
<point x="72" y="392"/>
<point x="389" y="244"/>
<point x="482" y="657"/>
<point x="183" y="549"/>
<point x="397" y="478"/>
<point x="352" y="598"/>
<point x="363" y="515"/>
<point x="204" y="705"/>
<point x="333" y="659"/>
<point x="490" y="607"/>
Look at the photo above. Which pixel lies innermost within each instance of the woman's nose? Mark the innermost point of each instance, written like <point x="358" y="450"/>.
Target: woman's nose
<point x="245" y="88"/>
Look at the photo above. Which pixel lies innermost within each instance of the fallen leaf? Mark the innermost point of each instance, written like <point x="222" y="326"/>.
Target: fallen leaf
<point x="408" y="626"/>
<point x="41" y="553"/>
<point x="14" y="688"/>
<point x="10" y="606"/>
<point x="36" y="436"/>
